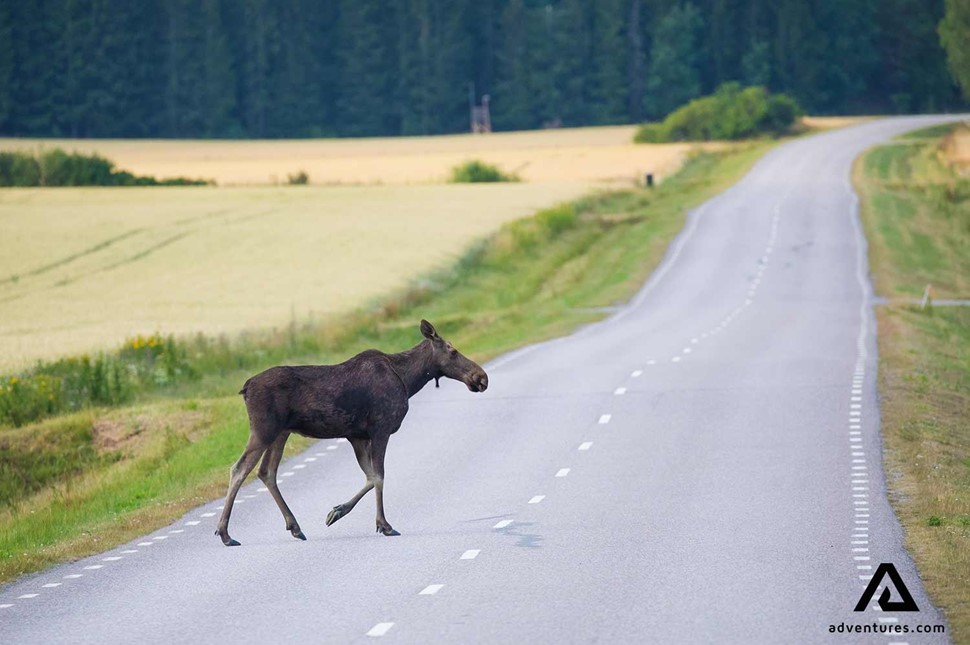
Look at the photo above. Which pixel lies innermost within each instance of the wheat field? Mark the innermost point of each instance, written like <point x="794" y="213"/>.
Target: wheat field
<point x="82" y="269"/>
<point x="602" y="154"/>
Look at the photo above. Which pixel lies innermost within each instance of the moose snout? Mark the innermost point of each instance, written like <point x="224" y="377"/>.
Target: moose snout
<point x="478" y="382"/>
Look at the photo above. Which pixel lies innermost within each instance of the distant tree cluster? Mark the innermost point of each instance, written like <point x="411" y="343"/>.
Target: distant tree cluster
<point x="729" y="113"/>
<point x="58" y="168"/>
<point x="294" y="68"/>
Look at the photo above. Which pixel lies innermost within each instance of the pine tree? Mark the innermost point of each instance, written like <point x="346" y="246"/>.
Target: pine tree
<point x="955" y="36"/>
<point x="674" y="76"/>
<point x="513" y="99"/>
<point x="609" y="89"/>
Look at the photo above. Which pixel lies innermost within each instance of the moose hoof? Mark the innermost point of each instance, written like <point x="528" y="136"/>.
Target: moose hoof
<point x="388" y="531"/>
<point x="228" y="541"/>
<point x="298" y="534"/>
<point x="335" y="514"/>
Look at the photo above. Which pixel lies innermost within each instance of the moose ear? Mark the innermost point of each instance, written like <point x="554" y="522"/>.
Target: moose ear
<point x="428" y="330"/>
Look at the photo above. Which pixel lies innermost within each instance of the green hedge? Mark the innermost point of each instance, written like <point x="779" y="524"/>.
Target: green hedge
<point x="58" y="168"/>
<point x="729" y="113"/>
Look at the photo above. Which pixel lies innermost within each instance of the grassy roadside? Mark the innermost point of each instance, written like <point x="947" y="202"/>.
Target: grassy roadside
<point x="916" y="212"/>
<point x="534" y="279"/>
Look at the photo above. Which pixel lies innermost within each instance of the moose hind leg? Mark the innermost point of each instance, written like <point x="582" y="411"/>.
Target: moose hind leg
<point x="267" y="473"/>
<point x="237" y="475"/>
<point x="362" y="452"/>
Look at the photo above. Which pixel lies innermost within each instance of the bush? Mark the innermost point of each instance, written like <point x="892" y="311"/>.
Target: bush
<point x="729" y="113"/>
<point x="58" y="168"/>
<point x="298" y="179"/>
<point x="475" y="171"/>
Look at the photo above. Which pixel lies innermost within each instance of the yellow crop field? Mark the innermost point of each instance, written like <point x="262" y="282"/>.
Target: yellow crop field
<point x="604" y="154"/>
<point x="83" y="268"/>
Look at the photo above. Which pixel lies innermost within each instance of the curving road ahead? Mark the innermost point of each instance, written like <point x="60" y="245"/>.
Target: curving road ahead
<point x="703" y="466"/>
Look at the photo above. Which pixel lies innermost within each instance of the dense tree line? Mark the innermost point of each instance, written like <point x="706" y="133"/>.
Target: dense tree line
<point x="275" y="68"/>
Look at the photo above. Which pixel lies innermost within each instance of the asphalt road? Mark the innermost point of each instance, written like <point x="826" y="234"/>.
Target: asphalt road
<point x="704" y="466"/>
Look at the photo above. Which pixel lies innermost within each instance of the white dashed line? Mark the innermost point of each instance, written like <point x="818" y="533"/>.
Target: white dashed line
<point x="176" y="531"/>
<point x="536" y="499"/>
<point x="113" y="558"/>
<point x="72" y="576"/>
<point x="675" y="359"/>
<point x="208" y="515"/>
<point x="430" y="590"/>
<point x="298" y="466"/>
<point x="562" y="472"/>
<point x="619" y="391"/>
<point x="636" y="373"/>
<point x="470" y="554"/>
<point x="145" y="543"/>
<point x="130" y="551"/>
<point x="92" y="567"/>
<point x="160" y="537"/>
<point x="331" y="447"/>
<point x="605" y="418"/>
<point x="586" y="445"/>
<point x="192" y="523"/>
<point x="502" y="524"/>
<point x="380" y="629"/>
<point x="309" y="459"/>
<point x="6" y="606"/>
<point x="651" y="362"/>
<point x="51" y="585"/>
<point x="28" y="595"/>
<point x="286" y="474"/>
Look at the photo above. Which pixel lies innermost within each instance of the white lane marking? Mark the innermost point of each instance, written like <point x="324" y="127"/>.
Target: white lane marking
<point x="562" y="472"/>
<point x="29" y="595"/>
<point x="6" y="606"/>
<point x="855" y="398"/>
<point x="861" y="557"/>
<point x="651" y="362"/>
<point x="619" y="391"/>
<point x="331" y="447"/>
<point x="470" y="554"/>
<point x="342" y="440"/>
<point x="693" y="341"/>
<point x="675" y="359"/>
<point x="298" y="466"/>
<point x="177" y="531"/>
<point x="113" y="558"/>
<point x="208" y="515"/>
<point x="605" y="418"/>
<point x="380" y="629"/>
<point x="320" y="454"/>
<point x="636" y="373"/>
<point x="92" y="567"/>
<point x="502" y="524"/>
<point x="72" y="576"/>
<point x="51" y="585"/>
<point x="430" y="590"/>
<point x="863" y="567"/>
<point x="286" y="474"/>
<point x="130" y="551"/>
<point x="859" y="542"/>
<point x="586" y="445"/>
<point x="160" y="537"/>
<point x="687" y="350"/>
<point x="860" y="549"/>
<point x="537" y="499"/>
<point x="192" y="523"/>
<point x="261" y="489"/>
<point x="145" y="543"/>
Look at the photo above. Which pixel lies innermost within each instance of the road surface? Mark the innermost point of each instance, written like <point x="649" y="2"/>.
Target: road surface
<point x="704" y="466"/>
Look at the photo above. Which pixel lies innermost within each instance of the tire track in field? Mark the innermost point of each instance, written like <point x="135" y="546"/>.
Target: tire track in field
<point x="217" y="218"/>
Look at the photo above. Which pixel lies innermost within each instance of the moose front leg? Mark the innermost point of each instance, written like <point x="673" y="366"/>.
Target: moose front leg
<point x="362" y="452"/>
<point x="378" y="447"/>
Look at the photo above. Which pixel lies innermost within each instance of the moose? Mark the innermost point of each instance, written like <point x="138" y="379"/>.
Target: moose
<point x="363" y="399"/>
